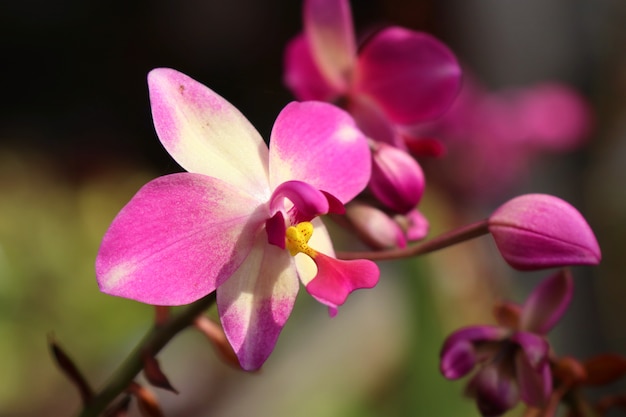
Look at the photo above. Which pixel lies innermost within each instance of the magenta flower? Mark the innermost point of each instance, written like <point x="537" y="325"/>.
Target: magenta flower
<point x="498" y="135"/>
<point x="244" y="220"/>
<point x="398" y="78"/>
<point x="536" y="231"/>
<point x="512" y="363"/>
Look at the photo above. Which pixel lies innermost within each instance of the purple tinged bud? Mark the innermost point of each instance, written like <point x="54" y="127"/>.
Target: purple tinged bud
<point x="537" y="231"/>
<point x="397" y="179"/>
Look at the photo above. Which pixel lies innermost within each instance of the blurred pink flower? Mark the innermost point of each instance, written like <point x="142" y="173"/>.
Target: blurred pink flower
<point x="492" y="138"/>
<point x="397" y="78"/>
<point x="241" y="221"/>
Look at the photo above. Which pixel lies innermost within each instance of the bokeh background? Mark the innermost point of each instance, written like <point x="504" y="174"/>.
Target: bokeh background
<point x="76" y="142"/>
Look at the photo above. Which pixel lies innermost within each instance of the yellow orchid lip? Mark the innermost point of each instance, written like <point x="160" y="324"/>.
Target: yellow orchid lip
<point x="297" y="239"/>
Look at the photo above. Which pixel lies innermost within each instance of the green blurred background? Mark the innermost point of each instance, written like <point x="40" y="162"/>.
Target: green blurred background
<point x="76" y="142"/>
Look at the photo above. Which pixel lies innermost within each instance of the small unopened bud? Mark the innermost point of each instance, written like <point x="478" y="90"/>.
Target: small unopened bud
<point x="536" y="231"/>
<point x="374" y="227"/>
<point x="397" y="179"/>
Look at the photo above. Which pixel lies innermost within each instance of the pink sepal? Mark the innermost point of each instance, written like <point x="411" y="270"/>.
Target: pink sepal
<point x="180" y="237"/>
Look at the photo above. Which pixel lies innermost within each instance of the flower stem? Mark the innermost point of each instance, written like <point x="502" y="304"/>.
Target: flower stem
<point x="155" y="340"/>
<point x="450" y="238"/>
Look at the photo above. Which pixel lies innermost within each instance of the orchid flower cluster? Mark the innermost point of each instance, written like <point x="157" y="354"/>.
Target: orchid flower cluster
<point x="243" y="227"/>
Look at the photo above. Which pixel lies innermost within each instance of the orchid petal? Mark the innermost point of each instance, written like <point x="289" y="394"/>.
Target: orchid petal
<point x="180" y="237"/>
<point x="256" y="301"/>
<point x="535" y="231"/>
<point x="458" y="355"/>
<point x="534" y="346"/>
<point x="329" y="30"/>
<point x="302" y="75"/>
<point x="373" y="121"/>
<point x="411" y="75"/>
<point x="319" y="144"/>
<point x="337" y="278"/>
<point x="205" y="134"/>
<point x="535" y="383"/>
<point x="554" y="117"/>
<point x="308" y="201"/>
<point x="494" y="390"/>
<point x="547" y="303"/>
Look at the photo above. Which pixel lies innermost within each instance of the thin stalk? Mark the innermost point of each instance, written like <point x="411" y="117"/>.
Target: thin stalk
<point x="450" y="238"/>
<point x="155" y="340"/>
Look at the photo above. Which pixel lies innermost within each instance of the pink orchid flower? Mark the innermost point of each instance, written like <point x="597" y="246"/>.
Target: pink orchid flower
<point x="511" y="360"/>
<point x="243" y="221"/>
<point x="398" y="78"/>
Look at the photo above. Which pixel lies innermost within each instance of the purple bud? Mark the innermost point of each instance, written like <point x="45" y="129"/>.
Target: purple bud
<point x="397" y="179"/>
<point x="536" y="231"/>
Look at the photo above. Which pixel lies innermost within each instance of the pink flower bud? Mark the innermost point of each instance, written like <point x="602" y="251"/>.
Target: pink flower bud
<point x="536" y="231"/>
<point x="397" y="179"/>
<point x="375" y="227"/>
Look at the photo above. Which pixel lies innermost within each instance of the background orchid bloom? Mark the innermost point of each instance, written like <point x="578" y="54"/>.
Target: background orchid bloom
<point x="499" y="134"/>
<point x="398" y="78"/>
<point x="243" y="220"/>
<point x="512" y="358"/>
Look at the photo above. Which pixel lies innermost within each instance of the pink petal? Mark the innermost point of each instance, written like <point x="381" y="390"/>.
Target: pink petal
<point x="547" y="303"/>
<point x="555" y="117"/>
<point x="205" y="134"/>
<point x="329" y="30"/>
<point x="319" y="144"/>
<point x="373" y="121"/>
<point x="308" y="202"/>
<point x="411" y="75"/>
<point x="179" y="238"/>
<point x="256" y="301"/>
<point x="336" y="279"/>
<point x="535" y="231"/>
<point x="302" y="76"/>
<point x="458" y="354"/>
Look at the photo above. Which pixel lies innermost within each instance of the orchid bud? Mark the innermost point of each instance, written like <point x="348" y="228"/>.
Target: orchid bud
<point x="397" y="179"/>
<point x="536" y="231"/>
<point x="374" y="226"/>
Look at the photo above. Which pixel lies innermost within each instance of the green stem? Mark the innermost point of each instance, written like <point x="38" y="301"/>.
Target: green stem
<point x="156" y="339"/>
<point x="450" y="238"/>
